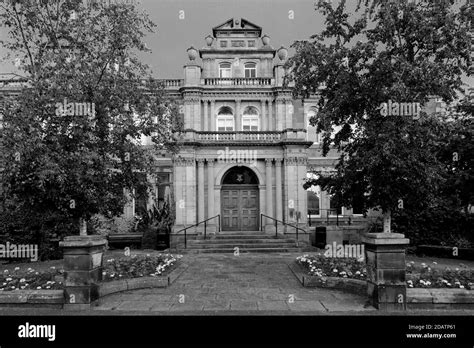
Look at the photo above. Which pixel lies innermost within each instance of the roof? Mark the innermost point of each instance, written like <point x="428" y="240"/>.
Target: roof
<point x="238" y="25"/>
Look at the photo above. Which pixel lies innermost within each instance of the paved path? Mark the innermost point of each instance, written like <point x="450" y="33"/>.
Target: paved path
<point x="257" y="283"/>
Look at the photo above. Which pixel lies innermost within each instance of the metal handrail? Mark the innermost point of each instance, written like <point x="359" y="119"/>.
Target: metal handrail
<point x="276" y="225"/>
<point x="205" y="227"/>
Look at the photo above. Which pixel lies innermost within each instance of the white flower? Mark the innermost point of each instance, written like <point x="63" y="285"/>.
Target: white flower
<point x="22" y="280"/>
<point x="104" y="273"/>
<point x="357" y="273"/>
<point x="457" y="269"/>
<point x="5" y="271"/>
<point x="461" y="286"/>
<point x="17" y="268"/>
<point x="38" y="288"/>
<point x="9" y="279"/>
<point x="334" y="270"/>
<point x="435" y="263"/>
<point x="52" y="267"/>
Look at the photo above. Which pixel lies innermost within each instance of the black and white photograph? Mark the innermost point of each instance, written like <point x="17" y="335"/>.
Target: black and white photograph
<point x="202" y="172"/>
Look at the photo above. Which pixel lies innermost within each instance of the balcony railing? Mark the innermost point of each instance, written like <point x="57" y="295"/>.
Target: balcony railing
<point x="231" y="136"/>
<point x="172" y="82"/>
<point x="238" y="81"/>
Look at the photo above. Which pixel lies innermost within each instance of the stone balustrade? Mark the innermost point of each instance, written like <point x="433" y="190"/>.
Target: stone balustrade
<point x="237" y="81"/>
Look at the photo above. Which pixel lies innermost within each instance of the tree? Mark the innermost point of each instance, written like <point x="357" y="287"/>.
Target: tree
<point x="402" y="51"/>
<point x="71" y="140"/>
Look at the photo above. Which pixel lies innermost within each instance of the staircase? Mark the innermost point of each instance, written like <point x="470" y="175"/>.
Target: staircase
<point x="246" y="241"/>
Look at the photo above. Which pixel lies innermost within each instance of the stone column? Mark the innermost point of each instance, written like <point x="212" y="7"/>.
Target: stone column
<point x="268" y="188"/>
<point x="238" y="118"/>
<point x="280" y="115"/>
<point x="200" y="189"/>
<point x="197" y="114"/>
<point x="206" y="116"/>
<point x="263" y="119"/>
<point x="386" y="270"/>
<point x="289" y="109"/>
<point x="210" y="189"/>
<point x="187" y="114"/>
<point x="179" y="191"/>
<point x="270" y="115"/>
<point x="279" y="197"/>
<point x="190" y="203"/>
<point x="302" y="196"/>
<point x="83" y="256"/>
<point x="212" y="117"/>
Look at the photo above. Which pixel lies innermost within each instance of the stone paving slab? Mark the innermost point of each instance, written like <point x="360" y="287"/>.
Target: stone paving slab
<point x="249" y="283"/>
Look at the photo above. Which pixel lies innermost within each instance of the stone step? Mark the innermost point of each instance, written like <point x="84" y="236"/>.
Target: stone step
<point x="243" y="250"/>
<point x="239" y="240"/>
<point x="243" y="236"/>
<point x="241" y="245"/>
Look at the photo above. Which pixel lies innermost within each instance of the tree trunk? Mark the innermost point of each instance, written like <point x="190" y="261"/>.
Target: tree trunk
<point x="82" y="227"/>
<point x="387" y="222"/>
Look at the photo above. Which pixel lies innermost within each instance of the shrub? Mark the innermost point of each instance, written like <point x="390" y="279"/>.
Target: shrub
<point x="436" y="226"/>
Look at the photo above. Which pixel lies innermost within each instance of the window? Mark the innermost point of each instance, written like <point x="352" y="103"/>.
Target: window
<point x="250" y="119"/>
<point x="311" y="133"/>
<point x="250" y="70"/>
<point x="225" y="70"/>
<point x="225" y="119"/>
<point x="313" y="203"/>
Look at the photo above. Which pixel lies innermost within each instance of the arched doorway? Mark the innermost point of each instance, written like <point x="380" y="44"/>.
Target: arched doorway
<point x="240" y="200"/>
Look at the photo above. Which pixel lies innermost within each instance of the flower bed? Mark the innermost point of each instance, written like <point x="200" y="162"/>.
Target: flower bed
<point x="425" y="276"/>
<point x="123" y="268"/>
<point x="29" y="279"/>
<point x="418" y="276"/>
<point x="320" y="266"/>
<point x="139" y="266"/>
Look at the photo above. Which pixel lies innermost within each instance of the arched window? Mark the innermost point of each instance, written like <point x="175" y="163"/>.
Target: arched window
<point x="225" y="70"/>
<point x="313" y="198"/>
<point x="250" y="70"/>
<point x="250" y="119"/>
<point x="225" y="119"/>
<point x="311" y="132"/>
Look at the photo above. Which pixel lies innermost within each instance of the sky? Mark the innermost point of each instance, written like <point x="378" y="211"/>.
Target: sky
<point x="285" y="21"/>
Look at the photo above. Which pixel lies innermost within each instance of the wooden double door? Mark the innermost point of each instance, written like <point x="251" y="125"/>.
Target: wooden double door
<point x="240" y="207"/>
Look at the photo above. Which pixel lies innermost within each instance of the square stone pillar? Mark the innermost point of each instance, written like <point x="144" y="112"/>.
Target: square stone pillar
<point x="83" y="257"/>
<point x="386" y="270"/>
